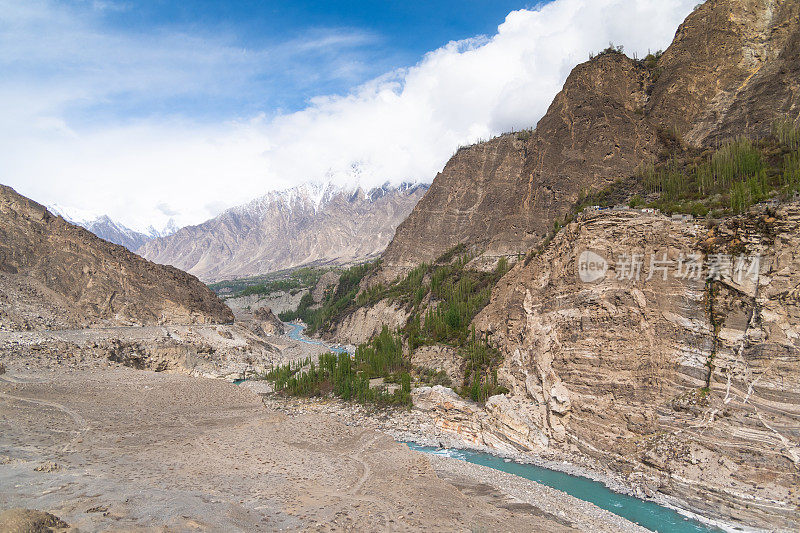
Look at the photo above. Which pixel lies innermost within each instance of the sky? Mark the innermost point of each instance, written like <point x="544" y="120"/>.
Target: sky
<point x="155" y="109"/>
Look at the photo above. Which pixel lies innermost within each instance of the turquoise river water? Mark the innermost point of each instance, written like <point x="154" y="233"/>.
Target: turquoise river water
<point x="645" y="513"/>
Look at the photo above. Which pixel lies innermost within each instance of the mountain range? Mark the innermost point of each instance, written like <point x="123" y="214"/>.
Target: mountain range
<point x="106" y="228"/>
<point x="308" y="224"/>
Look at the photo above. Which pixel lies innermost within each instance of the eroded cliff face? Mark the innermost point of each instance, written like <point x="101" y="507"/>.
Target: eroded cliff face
<point x="732" y="69"/>
<point x="503" y="195"/>
<point x="478" y="179"/>
<point x="366" y="322"/>
<point x="54" y="275"/>
<point x="690" y="387"/>
<point x="228" y="351"/>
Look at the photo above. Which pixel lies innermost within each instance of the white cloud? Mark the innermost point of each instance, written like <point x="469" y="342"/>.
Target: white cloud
<point x="401" y="126"/>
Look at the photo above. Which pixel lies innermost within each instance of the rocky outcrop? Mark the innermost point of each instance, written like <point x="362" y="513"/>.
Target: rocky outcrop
<point x="366" y="322"/>
<point x="731" y="69"/>
<point x="216" y="351"/>
<point x="31" y="520"/>
<point x="440" y="358"/>
<point x="279" y="302"/>
<point x="478" y="178"/>
<point x="692" y="388"/>
<point x="301" y="226"/>
<point x="268" y="323"/>
<point x="502" y="196"/>
<point x="328" y="281"/>
<point x="505" y="424"/>
<point x="55" y="275"/>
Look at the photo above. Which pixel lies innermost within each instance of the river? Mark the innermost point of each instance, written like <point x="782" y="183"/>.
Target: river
<point x="296" y="333"/>
<point x="645" y="513"/>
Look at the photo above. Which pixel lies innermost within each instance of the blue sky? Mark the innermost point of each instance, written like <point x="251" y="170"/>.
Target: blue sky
<point x="386" y="34"/>
<point x="306" y="48"/>
<point x="157" y="109"/>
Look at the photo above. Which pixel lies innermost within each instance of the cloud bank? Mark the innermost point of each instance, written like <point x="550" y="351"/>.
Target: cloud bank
<point x="403" y="125"/>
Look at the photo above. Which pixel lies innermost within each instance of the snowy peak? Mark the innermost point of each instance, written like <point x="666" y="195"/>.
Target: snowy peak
<point x="306" y="196"/>
<point x="315" y="196"/>
<point x="167" y="230"/>
<point x="81" y="217"/>
<point x="313" y="223"/>
<point x="108" y="229"/>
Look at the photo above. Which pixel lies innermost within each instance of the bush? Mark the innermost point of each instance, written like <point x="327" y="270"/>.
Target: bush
<point x="337" y="374"/>
<point x="382" y="356"/>
<point x="480" y="373"/>
<point x="732" y="178"/>
<point x="738" y="160"/>
<point x="790" y="175"/>
<point x="619" y="49"/>
<point x="650" y="61"/>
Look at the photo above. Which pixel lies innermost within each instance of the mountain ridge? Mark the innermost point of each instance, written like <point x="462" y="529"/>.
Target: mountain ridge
<point x="109" y="229"/>
<point x="57" y="275"/>
<point x="313" y="223"/>
<point x="612" y="114"/>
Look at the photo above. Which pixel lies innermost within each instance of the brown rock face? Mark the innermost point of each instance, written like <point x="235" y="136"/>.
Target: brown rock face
<point x="441" y="358"/>
<point x="55" y="275"/>
<point x="503" y="195"/>
<point x="366" y="322"/>
<point x="732" y="69"/>
<point x="268" y="322"/>
<point x="305" y="225"/>
<point x="328" y="281"/>
<point x="478" y="179"/>
<point x="692" y="390"/>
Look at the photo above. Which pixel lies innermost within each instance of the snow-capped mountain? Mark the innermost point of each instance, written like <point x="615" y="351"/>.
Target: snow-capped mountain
<point x="166" y="231"/>
<point x="106" y="228"/>
<point x="311" y="223"/>
<point x="73" y="214"/>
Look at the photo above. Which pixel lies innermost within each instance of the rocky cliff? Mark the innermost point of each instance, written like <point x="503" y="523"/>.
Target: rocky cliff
<point x="55" y="275"/>
<point x="687" y="386"/>
<point x="731" y="69"/>
<point x="309" y="224"/>
<point x="676" y="384"/>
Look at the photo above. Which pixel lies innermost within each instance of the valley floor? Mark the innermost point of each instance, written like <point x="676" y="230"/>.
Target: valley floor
<point x="112" y="448"/>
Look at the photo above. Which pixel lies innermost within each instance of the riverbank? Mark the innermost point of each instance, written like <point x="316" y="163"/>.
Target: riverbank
<point x="415" y="426"/>
<point x="448" y="422"/>
<point x="110" y="447"/>
<point x="112" y="378"/>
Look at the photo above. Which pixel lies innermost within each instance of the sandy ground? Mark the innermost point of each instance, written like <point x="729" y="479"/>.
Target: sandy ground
<point x="123" y="449"/>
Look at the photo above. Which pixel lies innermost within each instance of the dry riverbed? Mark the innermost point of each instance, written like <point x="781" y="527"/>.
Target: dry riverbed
<point x="105" y="447"/>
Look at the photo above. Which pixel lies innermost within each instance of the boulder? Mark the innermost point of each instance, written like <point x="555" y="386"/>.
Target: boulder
<point x="30" y="521"/>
